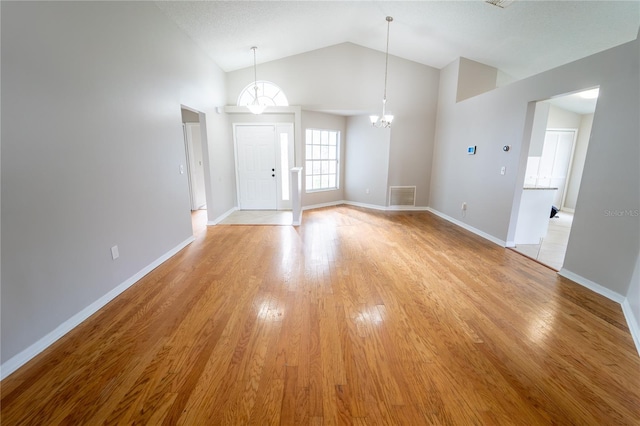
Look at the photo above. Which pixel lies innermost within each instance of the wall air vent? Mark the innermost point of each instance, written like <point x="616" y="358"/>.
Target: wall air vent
<point x="402" y="196"/>
<point x="500" y="3"/>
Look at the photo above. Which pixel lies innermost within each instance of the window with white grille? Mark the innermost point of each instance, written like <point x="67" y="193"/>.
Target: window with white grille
<point x="322" y="148"/>
<point x="268" y="94"/>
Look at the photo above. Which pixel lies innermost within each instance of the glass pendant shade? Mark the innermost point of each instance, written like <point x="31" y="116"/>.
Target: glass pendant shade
<point x="254" y="106"/>
<point x="256" y="109"/>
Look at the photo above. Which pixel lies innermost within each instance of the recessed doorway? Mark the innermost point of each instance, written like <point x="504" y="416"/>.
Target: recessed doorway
<point x="557" y="153"/>
<point x="194" y="148"/>
<point x="264" y="158"/>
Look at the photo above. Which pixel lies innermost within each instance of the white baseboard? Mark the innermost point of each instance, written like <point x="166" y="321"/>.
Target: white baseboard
<point x="601" y="290"/>
<point x="469" y="228"/>
<point x="222" y="217"/>
<point x="321" y="205"/>
<point x="26" y="355"/>
<point x="407" y="209"/>
<point x="366" y="206"/>
<point x="632" y="323"/>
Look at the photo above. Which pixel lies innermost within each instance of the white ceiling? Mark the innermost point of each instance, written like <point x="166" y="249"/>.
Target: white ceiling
<point x="523" y="39"/>
<point x="575" y="102"/>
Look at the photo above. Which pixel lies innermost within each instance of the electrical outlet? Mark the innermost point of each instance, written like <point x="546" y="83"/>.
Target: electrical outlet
<point x="366" y="191"/>
<point x="464" y="206"/>
<point x="115" y="253"/>
<point x="503" y="170"/>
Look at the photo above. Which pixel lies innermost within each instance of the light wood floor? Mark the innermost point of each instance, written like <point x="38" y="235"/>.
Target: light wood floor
<point x="356" y="317"/>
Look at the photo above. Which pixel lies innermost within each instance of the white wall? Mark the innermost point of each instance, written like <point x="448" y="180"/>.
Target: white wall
<point x="560" y="118"/>
<point x="91" y="147"/>
<point x="349" y="79"/>
<point x="602" y="249"/>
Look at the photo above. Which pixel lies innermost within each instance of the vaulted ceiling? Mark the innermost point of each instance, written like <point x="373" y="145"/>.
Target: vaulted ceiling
<point x="520" y="40"/>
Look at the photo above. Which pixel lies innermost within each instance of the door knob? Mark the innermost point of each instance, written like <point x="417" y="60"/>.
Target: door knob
<point x="273" y="175"/>
<point x="273" y="170"/>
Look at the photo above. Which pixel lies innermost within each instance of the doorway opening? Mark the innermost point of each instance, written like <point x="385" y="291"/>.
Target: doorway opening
<point x="557" y="153"/>
<point x="194" y="132"/>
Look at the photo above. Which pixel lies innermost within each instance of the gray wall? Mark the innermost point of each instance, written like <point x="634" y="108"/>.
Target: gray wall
<point x="349" y="79"/>
<point x="602" y="248"/>
<point x="365" y="179"/>
<point x="579" y="156"/>
<point x="560" y="118"/>
<point x="91" y="147"/>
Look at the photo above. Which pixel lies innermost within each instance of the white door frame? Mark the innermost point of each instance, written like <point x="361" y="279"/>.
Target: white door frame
<point x="280" y="129"/>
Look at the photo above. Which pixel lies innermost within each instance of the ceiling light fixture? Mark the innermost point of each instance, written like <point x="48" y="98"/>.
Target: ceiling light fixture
<point x="385" y="119"/>
<point x="255" y="106"/>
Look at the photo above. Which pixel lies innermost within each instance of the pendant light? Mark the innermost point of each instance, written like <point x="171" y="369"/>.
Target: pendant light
<point x="254" y="106"/>
<point x="384" y="120"/>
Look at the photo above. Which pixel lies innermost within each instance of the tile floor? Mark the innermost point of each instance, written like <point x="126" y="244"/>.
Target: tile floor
<point x="554" y="245"/>
<point x="259" y="217"/>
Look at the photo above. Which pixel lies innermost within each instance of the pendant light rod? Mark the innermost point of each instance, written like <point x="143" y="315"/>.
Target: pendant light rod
<point x="255" y="106"/>
<point x="385" y="119"/>
<point x="255" y="69"/>
<point x="386" y="59"/>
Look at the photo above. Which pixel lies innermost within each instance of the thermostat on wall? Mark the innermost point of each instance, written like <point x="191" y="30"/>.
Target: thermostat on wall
<point x="471" y="150"/>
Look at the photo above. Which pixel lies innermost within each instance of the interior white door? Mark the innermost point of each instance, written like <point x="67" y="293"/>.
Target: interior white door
<point x="555" y="162"/>
<point x="195" y="165"/>
<point x="256" y="158"/>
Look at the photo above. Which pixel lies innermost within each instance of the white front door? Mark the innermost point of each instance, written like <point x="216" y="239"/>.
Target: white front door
<point x="256" y="161"/>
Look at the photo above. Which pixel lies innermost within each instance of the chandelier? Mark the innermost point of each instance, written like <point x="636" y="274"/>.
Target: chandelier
<point x="254" y="106"/>
<point x="384" y="120"/>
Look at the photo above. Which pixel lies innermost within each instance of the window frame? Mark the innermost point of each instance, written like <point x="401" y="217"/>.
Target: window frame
<point x="269" y="94"/>
<point x="316" y="146"/>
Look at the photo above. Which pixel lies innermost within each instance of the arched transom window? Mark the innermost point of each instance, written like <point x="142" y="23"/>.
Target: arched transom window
<point x="268" y="94"/>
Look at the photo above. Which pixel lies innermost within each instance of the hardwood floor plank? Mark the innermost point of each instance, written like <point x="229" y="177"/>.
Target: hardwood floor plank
<point x="355" y="317"/>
